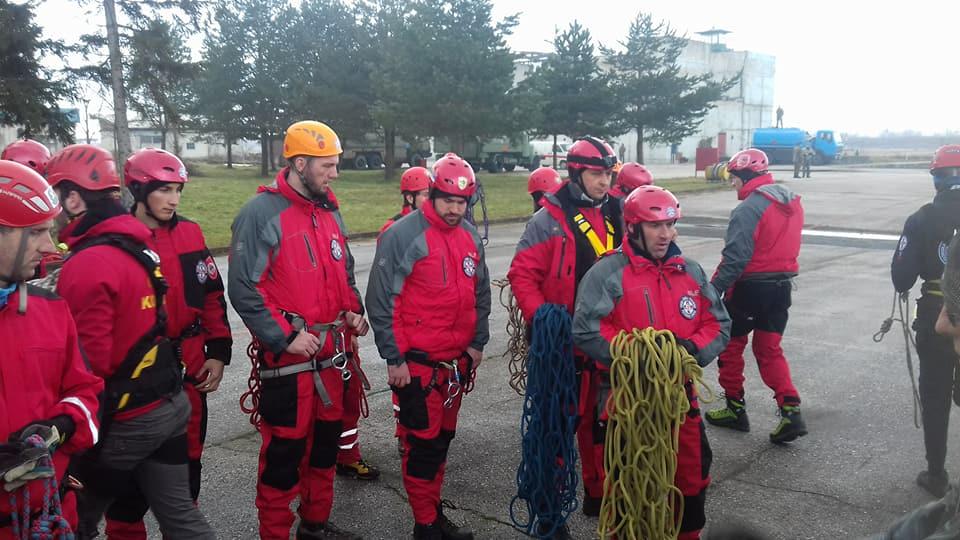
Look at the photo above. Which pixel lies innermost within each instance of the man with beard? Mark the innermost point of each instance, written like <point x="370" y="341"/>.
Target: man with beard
<point x="291" y="281"/>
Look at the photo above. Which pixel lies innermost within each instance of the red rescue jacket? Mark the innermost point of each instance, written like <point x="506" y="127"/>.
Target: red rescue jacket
<point x="196" y="310"/>
<point x="763" y="237"/>
<point x="110" y="296"/>
<point x="429" y="288"/>
<point x="627" y="290"/>
<point x="42" y="375"/>
<point x="289" y="254"/>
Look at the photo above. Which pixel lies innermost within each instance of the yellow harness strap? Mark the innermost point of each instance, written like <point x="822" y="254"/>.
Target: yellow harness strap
<point x="598" y="247"/>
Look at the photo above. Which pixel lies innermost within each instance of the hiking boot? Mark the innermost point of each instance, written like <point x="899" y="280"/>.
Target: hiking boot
<point x="733" y="416"/>
<point x="448" y="529"/>
<point x="427" y="532"/>
<point x="591" y="506"/>
<point x="934" y="483"/>
<point x="791" y="425"/>
<point x="308" y="530"/>
<point x="358" y="470"/>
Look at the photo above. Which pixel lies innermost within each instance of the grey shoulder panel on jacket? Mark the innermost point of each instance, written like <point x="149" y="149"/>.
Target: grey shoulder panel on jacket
<point x="779" y="192"/>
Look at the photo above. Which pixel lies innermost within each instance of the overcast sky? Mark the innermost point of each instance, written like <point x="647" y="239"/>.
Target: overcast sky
<point x="855" y="67"/>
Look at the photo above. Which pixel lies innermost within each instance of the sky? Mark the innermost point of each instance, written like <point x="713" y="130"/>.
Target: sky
<point x="850" y="66"/>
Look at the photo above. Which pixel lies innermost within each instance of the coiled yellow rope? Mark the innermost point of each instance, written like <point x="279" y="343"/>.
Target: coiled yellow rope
<point x="517" y="334"/>
<point x="647" y="404"/>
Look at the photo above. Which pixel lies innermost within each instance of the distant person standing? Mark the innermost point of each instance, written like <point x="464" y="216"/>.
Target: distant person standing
<point x="807" y="160"/>
<point x="623" y="152"/>
<point x="779" y="117"/>
<point x="797" y="160"/>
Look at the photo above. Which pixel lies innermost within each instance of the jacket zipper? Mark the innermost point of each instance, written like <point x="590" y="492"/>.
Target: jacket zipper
<point x="313" y="259"/>
<point x="563" y="251"/>
<point x="646" y="295"/>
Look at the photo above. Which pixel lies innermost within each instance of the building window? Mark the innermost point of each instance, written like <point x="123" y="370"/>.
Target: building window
<point x="151" y="140"/>
<point x="191" y="146"/>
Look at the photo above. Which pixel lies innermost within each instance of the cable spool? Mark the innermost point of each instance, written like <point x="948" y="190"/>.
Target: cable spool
<point x="717" y="172"/>
<point x="647" y="404"/>
<point x="517" y="337"/>
<point x="547" y="474"/>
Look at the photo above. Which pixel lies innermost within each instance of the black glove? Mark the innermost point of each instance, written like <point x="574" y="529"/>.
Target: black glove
<point x="690" y="346"/>
<point x="64" y="424"/>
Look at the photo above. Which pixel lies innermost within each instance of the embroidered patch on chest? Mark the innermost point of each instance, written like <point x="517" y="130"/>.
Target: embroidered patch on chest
<point x="469" y="267"/>
<point x="202" y="272"/>
<point x="336" y="250"/>
<point x="688" y="307"/>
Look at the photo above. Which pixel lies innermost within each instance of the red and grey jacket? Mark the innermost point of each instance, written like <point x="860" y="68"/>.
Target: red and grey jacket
<point x="44" y="375"/>
<point x="627" y="290"/>
<point x="429" y="289"/>
<point x="289" y="257"/>
<point x="404" y="211"/>
<point x="196" y="310"/>
<point x="763" y="237"/>
<point x="550" y="259"/>
<point x="109" y="294"/>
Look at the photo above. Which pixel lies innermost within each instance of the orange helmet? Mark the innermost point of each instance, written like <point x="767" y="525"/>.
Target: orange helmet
<point x="311" y="138"/>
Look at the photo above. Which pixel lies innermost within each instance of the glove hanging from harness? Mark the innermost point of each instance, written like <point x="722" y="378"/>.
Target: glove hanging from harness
<point x="649" y="370"/>
<point x="547" y="475"/>
<point x="517" y="333"/>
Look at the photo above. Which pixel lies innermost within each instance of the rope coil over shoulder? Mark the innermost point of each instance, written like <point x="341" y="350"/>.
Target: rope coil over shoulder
<point x="647" y="404"/>
<point x="517" y="337"/>
<point x="547" y="475"/>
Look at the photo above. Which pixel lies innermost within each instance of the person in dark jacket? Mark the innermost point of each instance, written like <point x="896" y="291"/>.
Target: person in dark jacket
<point x="755" y="275"/>
<point x="922" y="253"/>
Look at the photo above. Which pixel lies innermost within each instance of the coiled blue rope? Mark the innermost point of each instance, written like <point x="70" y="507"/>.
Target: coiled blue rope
<point x="547" y="475"/>
<point x="50" y="524"/>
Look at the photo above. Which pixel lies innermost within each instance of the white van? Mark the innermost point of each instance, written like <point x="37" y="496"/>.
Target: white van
<point x="545" y="150"/>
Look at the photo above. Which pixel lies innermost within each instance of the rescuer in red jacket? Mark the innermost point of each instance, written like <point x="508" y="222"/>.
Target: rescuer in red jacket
<point x="116" y="292"/>
<point x="196" y="310"/>
<point x="576" y="226"/>
<point x="631" y="176"/>
<point x="291" y="281"/>
<point x="542" y="181"/>
<point x="756" y="271"/>
<point x="429" y="303"/>
<point x="415" y="189"/>
<point x="649" y="283"/>
<point x="46" y="381"/>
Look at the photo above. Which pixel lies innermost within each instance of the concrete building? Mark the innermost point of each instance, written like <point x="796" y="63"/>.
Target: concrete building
<point x="193" y="145"/>
<point x="730" y="124"/>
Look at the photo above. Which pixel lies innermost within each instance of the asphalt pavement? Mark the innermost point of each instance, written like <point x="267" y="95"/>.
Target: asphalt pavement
<point x="849" y="477"/>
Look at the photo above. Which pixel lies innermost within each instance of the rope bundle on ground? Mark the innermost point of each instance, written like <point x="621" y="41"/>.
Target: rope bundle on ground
<point x="547" y="475"/>
<point x="517" y="334"/>
<point x="647" y="404"/>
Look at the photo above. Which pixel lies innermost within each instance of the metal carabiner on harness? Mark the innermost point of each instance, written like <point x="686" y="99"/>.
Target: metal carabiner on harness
<point x="453" y="384"/>
<point x="340" y="360"/>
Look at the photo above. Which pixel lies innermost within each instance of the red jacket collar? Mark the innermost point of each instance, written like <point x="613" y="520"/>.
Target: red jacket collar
<point x="751" y="186"/>
<point x="434" y="219"/>
<point x="282" y="186"/>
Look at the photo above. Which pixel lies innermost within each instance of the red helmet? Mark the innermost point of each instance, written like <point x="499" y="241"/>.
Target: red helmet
<point x="750" y="159"/>
<point x="946" y="157"/>
<point x="28" y="152"/>
<point x="154" y="165"/>
<point x="415" y="179"/>
<point x="633" y="175"/>
<point x="454" y="176"/>
<point x="544" y="180"/>
<point x="88" y="166"/>
<point x="26" y="199"/>
<point x="590" y="153"/>
<point x="650" y="203"/>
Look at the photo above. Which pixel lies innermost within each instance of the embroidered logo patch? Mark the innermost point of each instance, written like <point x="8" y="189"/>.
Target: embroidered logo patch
<point x="942" y="252"/>
<point x="336" y="250"/>
<point x="903" y="244"/>
<point x="469" y="267"/>
<point x="688" y="308"/>
<point x="212" y="270"/>
<point x="202" y="272"/>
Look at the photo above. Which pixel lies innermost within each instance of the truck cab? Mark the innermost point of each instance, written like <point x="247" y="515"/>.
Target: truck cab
<point x="827" y="145"/>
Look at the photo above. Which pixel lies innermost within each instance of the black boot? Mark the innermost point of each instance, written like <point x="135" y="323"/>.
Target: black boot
<point x="308" y="530"/>
<point x="591" y="505"/>
<point x="448" y="529"/>
<point x="427" y="532"/>
<point x="935" y="483"/>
